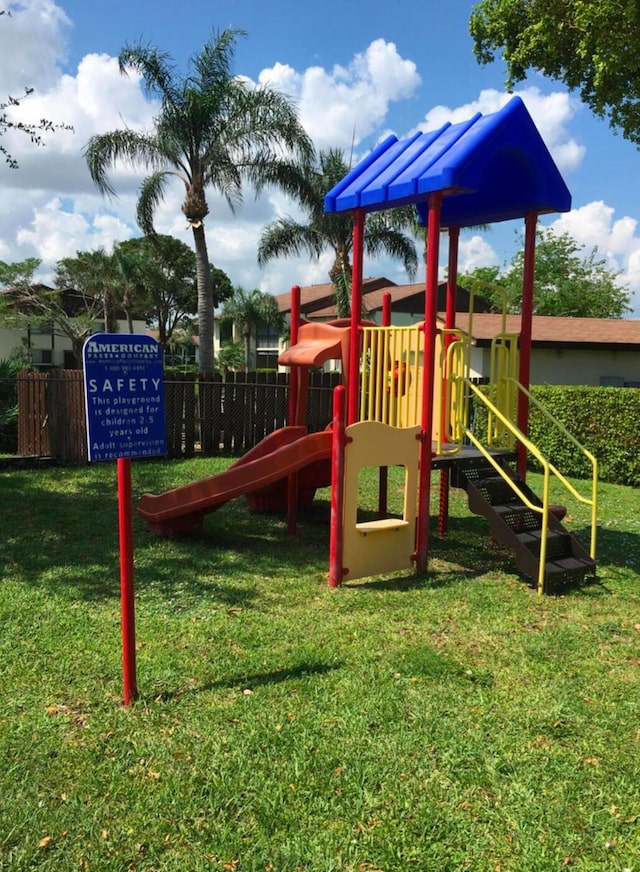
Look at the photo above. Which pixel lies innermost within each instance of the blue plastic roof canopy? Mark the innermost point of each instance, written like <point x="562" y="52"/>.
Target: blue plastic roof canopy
<point x="490" y="168"/>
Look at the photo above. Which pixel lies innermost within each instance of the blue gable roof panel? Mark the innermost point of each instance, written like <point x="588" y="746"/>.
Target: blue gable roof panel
<point x="351" y="196"/>
<point x="402" y="163"/>
<point x="421" y="172"/>
<point x="491" y="168"/>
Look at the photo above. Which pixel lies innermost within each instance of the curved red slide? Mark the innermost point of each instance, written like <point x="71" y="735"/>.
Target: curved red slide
<point x="279" y="455"/>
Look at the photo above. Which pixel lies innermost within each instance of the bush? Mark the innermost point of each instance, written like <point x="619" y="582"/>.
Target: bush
<point x="9" y="406"/>
<point x="603" y="420"/>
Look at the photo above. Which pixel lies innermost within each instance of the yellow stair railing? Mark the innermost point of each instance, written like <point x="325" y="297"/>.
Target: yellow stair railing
<point x="503" y="372"/>
<point x="548" y="469"/>
<point x="455" y="364"/>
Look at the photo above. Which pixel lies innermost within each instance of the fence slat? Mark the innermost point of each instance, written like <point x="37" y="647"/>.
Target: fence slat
<point x="207" y="416"/>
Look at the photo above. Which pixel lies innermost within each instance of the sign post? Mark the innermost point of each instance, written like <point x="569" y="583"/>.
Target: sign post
<point x="124" y="401"/>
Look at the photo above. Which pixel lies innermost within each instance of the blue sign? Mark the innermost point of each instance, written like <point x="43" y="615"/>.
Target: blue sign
<point x="124" y="396"/>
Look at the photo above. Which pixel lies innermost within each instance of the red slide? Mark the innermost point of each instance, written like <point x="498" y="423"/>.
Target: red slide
<point x="267" y="466"/>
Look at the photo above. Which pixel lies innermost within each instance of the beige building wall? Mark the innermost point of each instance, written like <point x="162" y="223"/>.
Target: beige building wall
<point x="562" y="366"/>
<point x="44" y="347"/>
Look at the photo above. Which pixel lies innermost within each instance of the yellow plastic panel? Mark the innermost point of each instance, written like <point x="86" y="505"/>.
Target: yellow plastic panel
<point x="386" y="545"/>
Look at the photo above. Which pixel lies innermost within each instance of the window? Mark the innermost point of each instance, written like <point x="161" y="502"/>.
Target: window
<point x="267" y="336"/>
<point x="226" y="332"/>
<point x="42" y="357"/>
<point x="266" y="359"/>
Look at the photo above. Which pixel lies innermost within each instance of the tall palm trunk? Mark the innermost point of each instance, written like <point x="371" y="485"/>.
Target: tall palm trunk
<point x="205" y="300"/>
<point x="246" y="335"/>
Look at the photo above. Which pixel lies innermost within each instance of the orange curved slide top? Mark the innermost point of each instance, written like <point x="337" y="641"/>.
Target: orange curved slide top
<point x="281" y="454"/>
<point x="317" y="343"/>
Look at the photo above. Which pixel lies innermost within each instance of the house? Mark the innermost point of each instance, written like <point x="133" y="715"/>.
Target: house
<point x="568" y="351"/>
<point x="46" y="346"/>
<point x="407" y="301"/>
<point x="584" y="351"/>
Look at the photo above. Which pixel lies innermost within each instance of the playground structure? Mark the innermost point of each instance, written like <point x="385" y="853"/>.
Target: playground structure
<point x="406" y="393"/>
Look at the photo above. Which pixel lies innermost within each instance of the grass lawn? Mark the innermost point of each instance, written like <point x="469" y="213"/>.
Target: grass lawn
<point x="448" y="723"/>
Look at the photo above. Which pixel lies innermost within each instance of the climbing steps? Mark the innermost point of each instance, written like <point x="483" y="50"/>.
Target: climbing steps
<point x="515" y="524"/>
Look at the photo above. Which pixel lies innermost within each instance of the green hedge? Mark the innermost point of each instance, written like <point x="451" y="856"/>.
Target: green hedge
<point x="603" y="420"/>
<point x="9" y="406"/>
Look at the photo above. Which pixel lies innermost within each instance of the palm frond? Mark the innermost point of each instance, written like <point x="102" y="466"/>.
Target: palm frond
<point x="288" y="238"/>
<point x="155" y="67"/>
<point x="151" y="193"/>
<point x="104" y="150"/>
<point x="214" y="63"/>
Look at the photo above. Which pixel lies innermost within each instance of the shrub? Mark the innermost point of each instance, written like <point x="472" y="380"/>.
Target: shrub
<point x="603" y="420"/>
<point x="9" y="406"/>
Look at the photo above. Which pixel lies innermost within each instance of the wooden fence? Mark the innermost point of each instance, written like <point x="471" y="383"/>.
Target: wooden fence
<point x="219" y="415"/>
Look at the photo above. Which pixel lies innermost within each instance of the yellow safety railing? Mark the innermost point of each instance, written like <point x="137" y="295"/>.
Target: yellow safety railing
<point x="503" y="373"/>
<point x="548" y="469"/>
<point x="455" y="364"/>
<point x="391" y="375"/>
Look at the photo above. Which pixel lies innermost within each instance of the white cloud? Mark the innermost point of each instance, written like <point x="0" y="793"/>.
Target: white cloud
<point x="32" y="45"/>
<point x="346" y="104"/>
<point x="617" y="240"/>
<point x="56" y="232"/>
<point x="474" y="253"/>
<point x="550" y="112"/>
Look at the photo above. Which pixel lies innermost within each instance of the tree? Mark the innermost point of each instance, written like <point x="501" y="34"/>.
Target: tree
<point x="248" y="311"/>
<point x="230" y="356"/>
<point x="287" y="237"/>
<point x="569" y="281"/>
<point x="24" y="303"/>
<point x="593" y="46"/>
<point x="214" y="129"/>
<point x="93" y="276"/>
<point x="33" y="131"/>
<point x="159" y="280"/>
<point x="487" y="284"/>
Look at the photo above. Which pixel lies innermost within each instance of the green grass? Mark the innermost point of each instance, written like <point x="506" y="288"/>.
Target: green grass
<point x="448" y="723"/>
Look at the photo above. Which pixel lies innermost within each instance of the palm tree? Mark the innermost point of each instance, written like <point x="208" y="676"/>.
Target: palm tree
<point x="383" y="230"/>
<point x="248" y="311"/>
<point x="213" y="130"/>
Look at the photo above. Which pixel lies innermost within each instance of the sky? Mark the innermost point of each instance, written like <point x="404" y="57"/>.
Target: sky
<point x="356" y="70"/>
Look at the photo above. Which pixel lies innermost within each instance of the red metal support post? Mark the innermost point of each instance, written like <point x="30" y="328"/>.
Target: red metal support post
<point x="450" y="323"/>
<point x="383" y="476"/>
<point x="386" y="309"/>
<point x="430" y="306"/>
<point x="524" y="375"/>
<point x="293" y="339"/>
<point x="336" y="542"/>
<point x="127" y="604"/>
<point x="356" y="317"/>
<point x="294" y="383"/>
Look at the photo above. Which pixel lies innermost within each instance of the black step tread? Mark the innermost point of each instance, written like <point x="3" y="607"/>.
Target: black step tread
<point x="496" y="479"/>
<point x="569" y="564"/>
<point x="507" y="508"/>
<point x="531" y="537"/>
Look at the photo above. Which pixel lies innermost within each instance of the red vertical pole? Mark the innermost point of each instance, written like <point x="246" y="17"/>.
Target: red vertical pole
<point x="450" y="315"/>
<point x="127" y="607"/>
<point x="356" y="317"/>
<point x="524" y="374"/>
<point x="386" y="309"/>
<point x="430" y="307"/>
<point x="293" y="338"/>
<point x="336" y="542"/>
<point x="294" y="395"/>
<point x="383" y="480"/>
<point x="452" y="277"/>
<point x="450" y="323"/>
